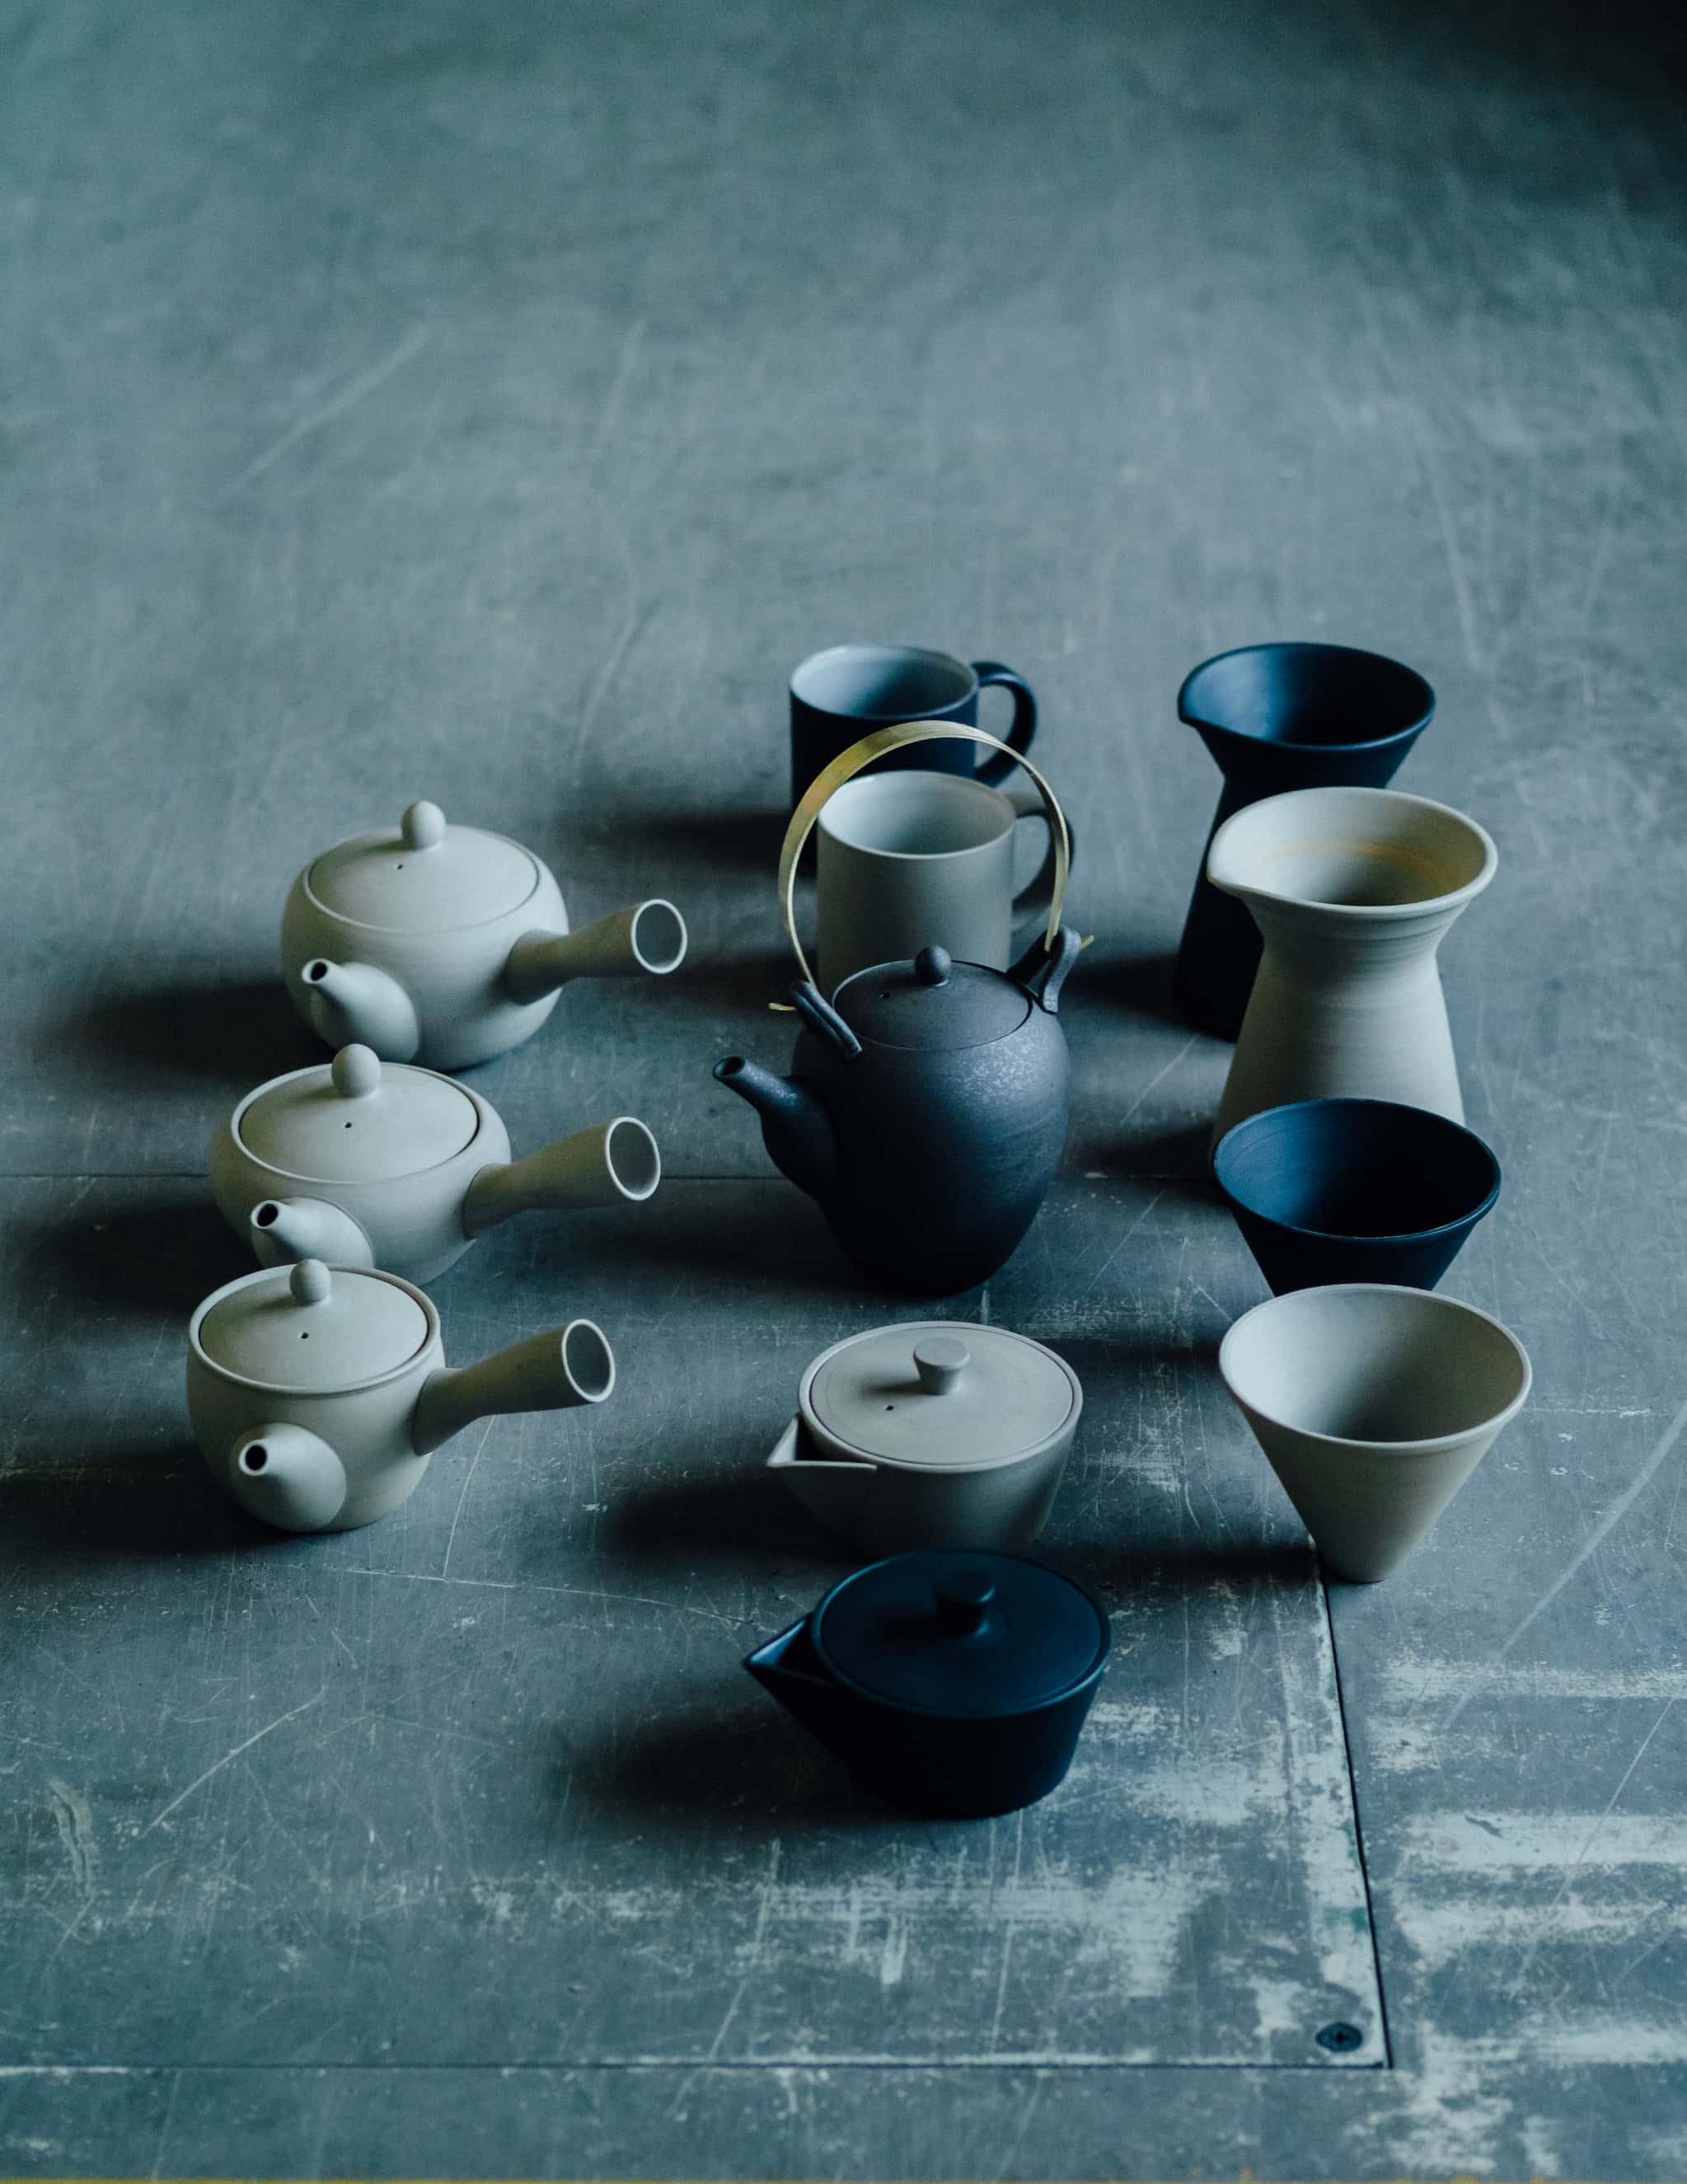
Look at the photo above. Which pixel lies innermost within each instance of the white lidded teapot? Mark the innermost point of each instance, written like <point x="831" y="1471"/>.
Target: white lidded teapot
<point x="446" y="944"/>
<point x="317" y="1395"/>
<point x="367" y="1163"/>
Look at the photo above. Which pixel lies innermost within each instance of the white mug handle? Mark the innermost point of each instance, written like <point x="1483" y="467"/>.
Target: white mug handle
<point x="850" y="761"/>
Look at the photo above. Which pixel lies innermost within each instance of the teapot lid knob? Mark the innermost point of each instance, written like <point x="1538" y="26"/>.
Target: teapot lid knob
<point x="940" y="1360"/>
<point x="963" y="1600"/>
<point x="932" y="966"/>
<point x="310" y="1281"/>
<point x="356" y="1072"/>
<point x="422" y="826"/>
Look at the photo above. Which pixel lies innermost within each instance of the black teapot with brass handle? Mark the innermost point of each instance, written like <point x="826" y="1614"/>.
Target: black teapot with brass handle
<point x="927" y="1106"/>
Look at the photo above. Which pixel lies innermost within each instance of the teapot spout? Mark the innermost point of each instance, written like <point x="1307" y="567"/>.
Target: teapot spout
<point x="788" y="1669"/>
<point x="646" y="940"/>
<point x="285" y="1230"/>
<point x="353" y="1004"/>
<point x="550" y="1372"/>
<point x="795" y="1128"/>
<point x="288" y="1477"/>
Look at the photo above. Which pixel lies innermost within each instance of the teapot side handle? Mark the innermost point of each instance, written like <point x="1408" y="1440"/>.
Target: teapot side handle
<point x="1042" y="969"/>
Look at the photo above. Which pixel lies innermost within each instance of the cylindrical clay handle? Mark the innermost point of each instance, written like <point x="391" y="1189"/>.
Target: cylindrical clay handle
<point x="549" y="1372"/>
<point x="848" y="763"/>
<point x="608" y="1165"/>
<point x="648" y="939"/>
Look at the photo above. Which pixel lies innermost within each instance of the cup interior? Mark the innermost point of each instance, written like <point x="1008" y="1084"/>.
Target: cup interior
<point x="1365" y="1364"/>
<point x="916" y="815"/>
<point x="1357" y="847"/>
<point x="883" y="681"/>
<point x="1321" y="694"/>
<point x="1366" y="1169"/>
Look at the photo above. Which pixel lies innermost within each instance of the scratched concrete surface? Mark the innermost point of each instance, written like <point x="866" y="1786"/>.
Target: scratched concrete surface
<point x="491" y="403"/>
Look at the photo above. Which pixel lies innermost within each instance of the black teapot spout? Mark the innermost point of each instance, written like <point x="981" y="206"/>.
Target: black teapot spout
<point x="789" y="1669"/>
<point x="795" y="1128"/>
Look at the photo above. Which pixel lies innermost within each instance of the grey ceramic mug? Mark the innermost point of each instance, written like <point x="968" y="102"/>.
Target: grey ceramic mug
<point x="912" y="860"/>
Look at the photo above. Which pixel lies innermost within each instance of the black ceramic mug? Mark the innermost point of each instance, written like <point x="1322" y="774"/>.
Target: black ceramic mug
<point x="838" y="695"/>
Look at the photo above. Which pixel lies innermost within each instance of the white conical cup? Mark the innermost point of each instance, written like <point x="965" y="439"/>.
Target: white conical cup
<point x="1374" y="1405"/>
<point x="1352" y="890"/>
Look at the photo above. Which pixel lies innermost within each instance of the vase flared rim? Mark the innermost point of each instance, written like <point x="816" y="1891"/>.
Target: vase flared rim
<point x="1254" y="740"/>
<point x="1452" y="901"/>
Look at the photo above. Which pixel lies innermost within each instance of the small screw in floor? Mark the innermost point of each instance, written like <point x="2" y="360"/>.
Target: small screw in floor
<point x="1341" y="2039"/>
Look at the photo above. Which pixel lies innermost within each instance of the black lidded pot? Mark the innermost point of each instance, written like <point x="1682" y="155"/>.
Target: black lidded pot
<point x="950" y="1683"/>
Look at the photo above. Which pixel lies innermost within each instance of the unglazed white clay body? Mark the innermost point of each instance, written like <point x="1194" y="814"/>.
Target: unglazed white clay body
<point x="447" y="944"/>
<point x="366" y="1163"/>
<point x="1352" y="890"/>
<point x="932" y="1433"/>
<point x="1374" y="1405"/>
<point x="326" y="1437"/>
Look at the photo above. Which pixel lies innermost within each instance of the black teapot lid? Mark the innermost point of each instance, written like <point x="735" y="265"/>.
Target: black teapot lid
<point x="933" y="1004"/>
<point x="940" y="1631"/>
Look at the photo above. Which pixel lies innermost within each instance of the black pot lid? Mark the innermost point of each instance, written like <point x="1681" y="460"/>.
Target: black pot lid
<point x="979" y="1635"/>
<point x="933" y="1004"/>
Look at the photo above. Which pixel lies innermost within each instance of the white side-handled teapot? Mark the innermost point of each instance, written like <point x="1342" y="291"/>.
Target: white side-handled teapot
<point x="367" y="1163"/>
<point x="448" y="945"/>
<point x="318" y="1394"/>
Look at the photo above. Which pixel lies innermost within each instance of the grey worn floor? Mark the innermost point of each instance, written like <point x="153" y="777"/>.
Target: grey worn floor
<point x="490" y="402"/>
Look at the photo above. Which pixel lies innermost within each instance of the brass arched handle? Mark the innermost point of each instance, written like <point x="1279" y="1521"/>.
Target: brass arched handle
<point x="850" y="762"/>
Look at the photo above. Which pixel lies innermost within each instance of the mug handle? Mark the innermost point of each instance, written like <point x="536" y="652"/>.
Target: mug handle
<point x="992" y="675"/>
<point x="1030" y="903"/>
<point x="850" y="762"/>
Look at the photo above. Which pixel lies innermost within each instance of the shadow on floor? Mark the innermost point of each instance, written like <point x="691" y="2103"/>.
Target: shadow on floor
<point x="154" y="1259"/>
<point x="235" y="1032"/>
<point x="746" y="1771"/>
<point x="73" y="1505"/>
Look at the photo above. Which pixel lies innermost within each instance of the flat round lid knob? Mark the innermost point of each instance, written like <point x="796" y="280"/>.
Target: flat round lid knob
<point x="423" y="827"/>
<point x="963" y="1600"/>
<point x="356" y="1072"/>
<point x="310" y="1281"/>
<point x="940" y="1360"/>
<point x="932" y="966"/>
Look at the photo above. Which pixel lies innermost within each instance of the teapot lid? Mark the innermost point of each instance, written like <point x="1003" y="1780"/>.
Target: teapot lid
<point x="932" y="1005"/>
<point x="944" y="1632"/>
<point x="356" y="1120"/>
<point x="423" y="875"/>
<point x="940" y="1395"/>
<point x="307" y="1328"/>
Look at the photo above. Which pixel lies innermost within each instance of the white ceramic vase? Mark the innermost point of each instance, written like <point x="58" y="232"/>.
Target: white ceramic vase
<point x="1352" y="890"/>
<point x="1374" y="1405"/>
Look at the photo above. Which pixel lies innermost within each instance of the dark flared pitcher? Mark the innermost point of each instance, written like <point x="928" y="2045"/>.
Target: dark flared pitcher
<point x="1278" y="717"/>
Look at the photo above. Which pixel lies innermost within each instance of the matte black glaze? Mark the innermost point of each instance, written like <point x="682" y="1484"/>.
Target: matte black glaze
<point x="1355" y="1191"/>
<point x="1278" y="717"/>
<point x="929" y="1163"/>
<point x="968" y="1626"/>
<point x="818" y="734"/>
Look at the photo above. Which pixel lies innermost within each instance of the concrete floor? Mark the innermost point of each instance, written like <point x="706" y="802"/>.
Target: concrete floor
<point x="492" y="404"/>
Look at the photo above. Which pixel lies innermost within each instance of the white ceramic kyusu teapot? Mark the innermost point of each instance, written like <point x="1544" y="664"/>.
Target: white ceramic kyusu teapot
<point x="367" y="1163"/>
<point x="446" y="944"/>
<point x="317" y="1395"/>
<point x="931" y="1434"/>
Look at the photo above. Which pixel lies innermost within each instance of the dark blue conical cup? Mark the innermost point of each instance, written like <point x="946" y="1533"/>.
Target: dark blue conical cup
<point x="1355" y="1191"/>
<point x="1278" y="717"/>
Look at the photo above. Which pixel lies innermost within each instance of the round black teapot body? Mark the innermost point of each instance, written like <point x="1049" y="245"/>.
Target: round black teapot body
<point x="945" y="1151"/>
<point x="925" y="1111"/>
